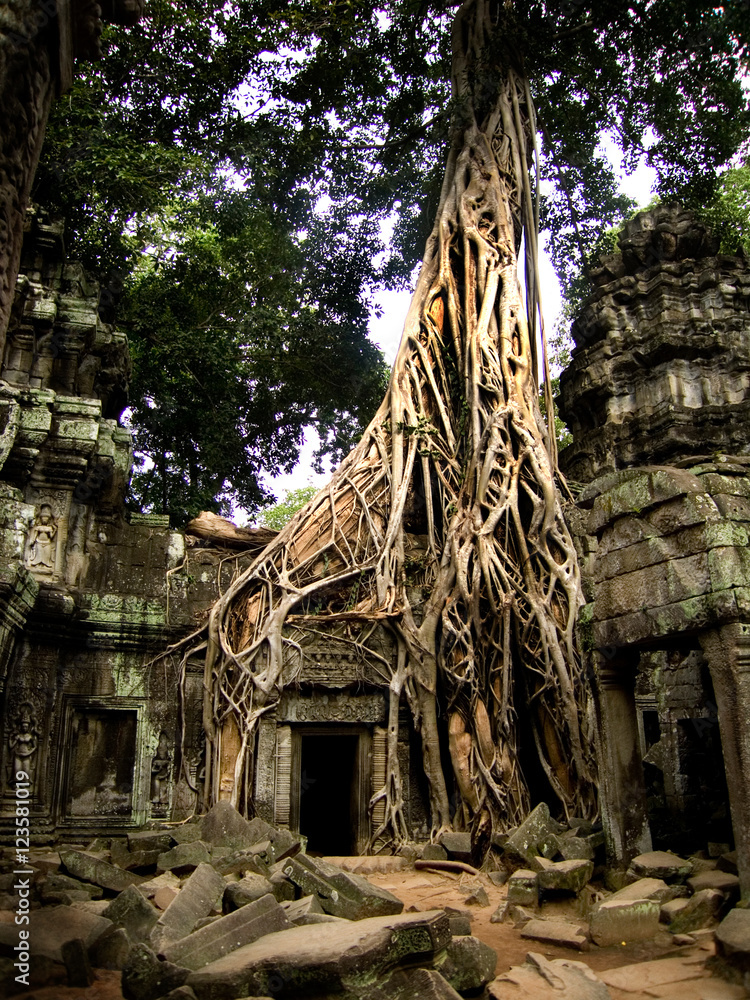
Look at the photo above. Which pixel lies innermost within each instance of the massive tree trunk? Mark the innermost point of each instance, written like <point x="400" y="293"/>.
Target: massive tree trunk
<point x="451" y="495"/>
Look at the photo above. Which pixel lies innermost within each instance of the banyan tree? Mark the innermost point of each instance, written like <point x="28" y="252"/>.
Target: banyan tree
<point x="445" y="526"/>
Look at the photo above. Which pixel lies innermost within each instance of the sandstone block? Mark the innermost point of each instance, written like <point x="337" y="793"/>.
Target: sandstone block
<point x="145" y="977"/>
<point x="199" y="895"/>
<point x="663" y="865"/>
<point x="186" y="833"/>
<point x="671" y="909"/>
<point x="733" y="938"/>
<point x="150" y="840"/>
<point x="240" y="863"/>
<point x="243" y="926"/>
<point x="325" y="958"/>
<point x="184" y="857"/>
<point x="281" y="887"/>
<point x="247" y="890"/>
<point x="434" y="852"/>
<point x="458" y="846"/>
<point x="132" y="911"/>
<point x="469" y="964"/>
<point x="297" y="909"/>
<point x="283" y="843"/>
<point x="111" y="950"/>
<point x="615" y="921"/>
<point x="52" y="926"/>
<point x="702" y="910"/>
<point x="722" y="881"/>
<point x="645" y="888"/>
<point x="90" y="869"/>
<point x="559" y="932"/>
<point x="565" y="876"/>
<point x="76" y="960"/>
<point x="523" y="888"/>
<point x="535" y="836"/>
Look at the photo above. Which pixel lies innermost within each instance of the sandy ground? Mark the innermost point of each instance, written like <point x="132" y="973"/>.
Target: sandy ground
<point x="426" y="890"/>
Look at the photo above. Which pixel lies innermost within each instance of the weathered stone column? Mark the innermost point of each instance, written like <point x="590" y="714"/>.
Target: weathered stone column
<point x="623" y="791"/>
<point x="727" y="650"/>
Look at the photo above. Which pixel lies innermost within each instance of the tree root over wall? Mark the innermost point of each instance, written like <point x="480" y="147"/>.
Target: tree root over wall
<point x="445" y="524"/>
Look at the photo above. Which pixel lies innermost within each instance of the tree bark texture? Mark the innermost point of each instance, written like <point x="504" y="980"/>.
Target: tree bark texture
<point x="445" y="524"/>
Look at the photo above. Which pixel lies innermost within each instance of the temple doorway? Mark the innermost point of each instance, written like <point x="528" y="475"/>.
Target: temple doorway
<point x="329" y="802"/>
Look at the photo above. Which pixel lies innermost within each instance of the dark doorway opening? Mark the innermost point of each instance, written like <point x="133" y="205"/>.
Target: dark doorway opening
<point x="329" y="792"/>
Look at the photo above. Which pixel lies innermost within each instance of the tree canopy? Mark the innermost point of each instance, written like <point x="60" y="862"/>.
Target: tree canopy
<point x="252" y="149"/>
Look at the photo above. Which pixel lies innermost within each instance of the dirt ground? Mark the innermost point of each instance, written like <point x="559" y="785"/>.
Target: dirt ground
<point x="427" y="890"/>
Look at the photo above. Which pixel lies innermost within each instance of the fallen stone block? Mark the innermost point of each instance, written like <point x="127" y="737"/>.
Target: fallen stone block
<point x="77" y="965"/>
<point x="410" y="984"/>
<point x="671" y="909"/>
<point x="281" y="887"/>
<point x="721" y="881"/>
<point x="199" y="895"/>
<point x="548" y="979"/>
<point x="165" y="896"/>
<point x="284" y="843"/>
<point x="458" y="846"/>
<point x="145" y="977"/>
<point x="477" y="897"/>
<point x="184" y="857"/>
<point x="57" y="882"/>
<point x="243" y="926"/>
<point x="223" y="826"/>
<point x="433" y="852"/>
<point x="298" y="908"/>
<point x="325" y="958"/>
<point x="572" y="848"/>
<point x="460" y="921"/>
<point x="90" y="869"/>
<point x="645" y="888"/>
<point x="650" y="976"/>
<point x="111" y="949"/>
<point x="152" y="885"/>
<point x="186" y="832"/>
<point x="565" y="876"/>
<point x="728" y="862"/>
<point x="498" y="878"/>
<point x="702" y="910"/>
<point x="559" y="932"/>
<point x="523" y="888"/>
<point x="663" y="865"/>
<point x="150" y="840"/>
<point x="96" y="906"/>
<point x="247" y="890"/>
<point x="535" y="836"/>
<point x="51" y="927"/>
<point x="342" y="894"/>
<point x="468" y="965"/>
<point x="45" y="861"/>
<point x="240" y="863"/>
<point x="733" y="939"/>
<point x="500" y="914"/>
<point x="129" y="860"/>
<point x="132" y="911"/>
<point x="616" y="921"/>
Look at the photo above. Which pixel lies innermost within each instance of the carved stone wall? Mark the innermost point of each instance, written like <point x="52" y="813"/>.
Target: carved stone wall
<point x="658" y="400"/>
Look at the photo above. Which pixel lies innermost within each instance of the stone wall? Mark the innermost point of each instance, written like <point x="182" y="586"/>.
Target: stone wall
<point x="658" y="400"/>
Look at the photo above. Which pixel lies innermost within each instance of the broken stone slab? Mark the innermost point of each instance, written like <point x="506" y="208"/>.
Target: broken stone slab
<point x="519" y="916"/>
<point x="541" y="978"/>
<point x="77" y="965"/>
<point x="342" y="894"/>
<point x="643" y="976"/>
<point x="186" y="993"/>
<point x="523" y="888"/>
<point x="671" y="909"/>
<point x="186" y="833"/>
<point x="132" y="911"/>
<point x="240" y="863"/>
<point x="152" y="885"/>
<point x="460" y="921"/>
<point x="284" y="844"/>
<point x="242" y="927"/>
<point x="50" y="927"/>
<point x="145" y="977"/>
<point x="150" y="840"/>
<point x="247" y="890"/>
<point x="324" y="958"/>
<point x="728" y="863"/>
<point x="559" y="932"/>
<point x="722" y="881"/>
<point x="184" y="857"/>
<point x="535" y="836"/>
<point x="468" y="965"/>
<point x="223" y="826"/>
<point x="476" y="895"/>
<point x="111" y="949"/>
<point x="572" y="848"/>
<point x="200" y="894"/>
<point x="297" y="908"/>
<point x="408" y="984"/>
<point x="281" y="886"/>
<point x="126" y="859"/>
<point x="498" y="878"/>
<point x="57" y="882"/>
<point x="458" y="846"/>
<point x="663" y="865"/>
<point x="165" y="896"/>
<point x="433" y="852"/>
<point x="702" y="910"/>
<point x="90" y="869"/>
<point x="733" y="938"/>
<point x="616" y="921"/>
<point x="95" y="906"/>
<point x="645" y="888"/>
<point x="565" y="876"/>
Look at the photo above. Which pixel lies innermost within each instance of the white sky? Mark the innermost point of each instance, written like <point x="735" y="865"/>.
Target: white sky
<point x="386" y="330"/>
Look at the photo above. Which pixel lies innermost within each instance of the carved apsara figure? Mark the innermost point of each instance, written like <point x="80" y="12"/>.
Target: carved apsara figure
<point x="40" y="553"/>
<point x="23" y="743"/>
<point x="160" y="767"/>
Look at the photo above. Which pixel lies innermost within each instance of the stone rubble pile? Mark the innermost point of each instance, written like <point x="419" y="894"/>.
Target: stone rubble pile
<point x="226" y="908"/>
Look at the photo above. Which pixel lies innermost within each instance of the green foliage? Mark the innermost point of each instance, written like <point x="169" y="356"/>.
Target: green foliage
<point x="277" y="516"/>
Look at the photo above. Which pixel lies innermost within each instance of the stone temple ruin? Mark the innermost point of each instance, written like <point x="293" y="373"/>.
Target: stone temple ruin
<point x="658" y="402"/>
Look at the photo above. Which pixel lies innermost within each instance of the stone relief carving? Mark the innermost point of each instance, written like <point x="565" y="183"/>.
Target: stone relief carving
<point x="42" y="542"/>
<point x="341" y="708"/>
<point x="23" y="744"/>
<point x="161" y="765"/>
